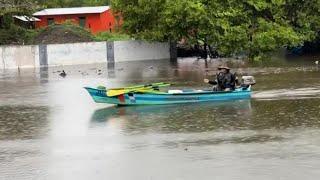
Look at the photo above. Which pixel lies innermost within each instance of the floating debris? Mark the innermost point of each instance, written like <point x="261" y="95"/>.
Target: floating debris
<point x="63" y="74"/>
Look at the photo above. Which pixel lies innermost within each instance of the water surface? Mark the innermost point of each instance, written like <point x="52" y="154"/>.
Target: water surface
<point x="51" y="129"/>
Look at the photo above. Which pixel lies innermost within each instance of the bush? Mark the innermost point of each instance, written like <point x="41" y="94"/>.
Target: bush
<point x="106" y="36"/>
<point x="16" y="35"/>
<point x="63" y="33"/>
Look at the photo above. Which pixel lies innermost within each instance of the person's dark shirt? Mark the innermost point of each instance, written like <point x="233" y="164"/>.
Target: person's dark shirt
<point x="224" y="80"/>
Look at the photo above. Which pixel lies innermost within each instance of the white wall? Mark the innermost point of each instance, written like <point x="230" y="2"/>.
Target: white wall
<point x="81" y="53"/>
<point x="17" y="56"/>
<point x="138" y="50"/>
<point x="78" y="53"/>
<point x="36" y="57"/>
<point x="1" y="59"/>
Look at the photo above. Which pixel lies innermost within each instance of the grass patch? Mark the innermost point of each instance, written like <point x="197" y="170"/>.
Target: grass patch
<point x="106" y="36"/>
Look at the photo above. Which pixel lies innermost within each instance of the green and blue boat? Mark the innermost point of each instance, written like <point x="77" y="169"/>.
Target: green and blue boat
<point x="150" y="95"/>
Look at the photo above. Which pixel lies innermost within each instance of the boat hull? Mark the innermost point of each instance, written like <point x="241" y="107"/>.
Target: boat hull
<point x="99" y="96"/>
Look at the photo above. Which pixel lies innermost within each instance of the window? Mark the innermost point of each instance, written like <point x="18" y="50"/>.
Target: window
<point x="50" y="21"/>
<point x="82" y="21"/>
<point x="109" y="23"/>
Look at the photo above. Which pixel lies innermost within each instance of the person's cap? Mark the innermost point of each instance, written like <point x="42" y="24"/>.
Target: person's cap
<point x="223" y="67"/>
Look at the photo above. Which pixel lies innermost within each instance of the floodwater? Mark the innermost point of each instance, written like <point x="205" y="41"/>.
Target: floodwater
<point x="51" y="129"/>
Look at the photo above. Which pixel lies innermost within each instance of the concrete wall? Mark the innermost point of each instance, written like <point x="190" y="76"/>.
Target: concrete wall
<point x="1" y="59"/>
<point x="78" y="53"/>
<point x="36" y="57"/>
<point x="138" y="50"/>
<point x="81" y="53"/>
<point x="17" y="56"/>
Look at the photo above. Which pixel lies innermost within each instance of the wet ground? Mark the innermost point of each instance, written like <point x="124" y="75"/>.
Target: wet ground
<point x="51" y="129"/>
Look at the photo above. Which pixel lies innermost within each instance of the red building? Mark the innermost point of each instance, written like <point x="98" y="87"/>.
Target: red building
<point x="96" y="19"/>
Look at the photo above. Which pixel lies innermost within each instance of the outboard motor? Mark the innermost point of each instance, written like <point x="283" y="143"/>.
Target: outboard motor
<point x="247" y="81"/>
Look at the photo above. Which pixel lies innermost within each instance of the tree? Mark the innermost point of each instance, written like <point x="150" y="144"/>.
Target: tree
<point x="16" y="6"/>
<point x="253" y="27"/>
<point x="142" y="17"/>
<point x="9" y="32"/>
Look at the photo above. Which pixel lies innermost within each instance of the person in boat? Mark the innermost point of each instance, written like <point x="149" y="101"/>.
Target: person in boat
<point x="225" y="80"/>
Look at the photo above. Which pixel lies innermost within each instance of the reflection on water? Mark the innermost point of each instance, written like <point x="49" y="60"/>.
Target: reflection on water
<point x="51" y="129"/>
<point x="237" y="115"/>
<point x="44" y="75"/>
<point x="176" y="118"/>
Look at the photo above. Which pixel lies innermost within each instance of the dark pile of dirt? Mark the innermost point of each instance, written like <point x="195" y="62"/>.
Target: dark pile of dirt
<point x="59" y="34"/>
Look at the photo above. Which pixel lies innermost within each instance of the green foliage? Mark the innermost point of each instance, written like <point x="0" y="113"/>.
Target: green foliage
<point x="16" y="35"/>
<point x="253" y="27"/>
<point x="7" y="21"/>
<point x="9" y="32"/>
<point x="69" y="25"/>
<point x="143" y="17"/>
<point x="106" y="36"/>
<point x="17" y="7"/>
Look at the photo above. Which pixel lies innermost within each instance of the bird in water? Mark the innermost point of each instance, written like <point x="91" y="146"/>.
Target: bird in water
<point x="63" y="74"/>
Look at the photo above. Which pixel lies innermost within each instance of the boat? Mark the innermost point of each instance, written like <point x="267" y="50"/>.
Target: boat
<point x="150" y="94"/>
<point x="154" y="97"/>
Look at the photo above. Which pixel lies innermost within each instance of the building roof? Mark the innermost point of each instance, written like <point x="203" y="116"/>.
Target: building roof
<point x="77" y="10"/>
<point x="27" y="19"/>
